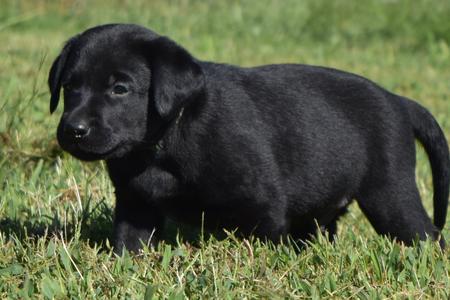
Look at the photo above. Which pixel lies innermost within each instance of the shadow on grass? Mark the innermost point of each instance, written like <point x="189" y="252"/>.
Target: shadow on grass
<point x="93" y="225"/>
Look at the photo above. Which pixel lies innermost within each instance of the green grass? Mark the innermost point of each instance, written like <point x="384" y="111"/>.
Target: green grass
<point x="56" y="213"/>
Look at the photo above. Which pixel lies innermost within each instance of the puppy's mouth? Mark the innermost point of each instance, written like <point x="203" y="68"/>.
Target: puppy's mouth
<point x="86" y="153"/>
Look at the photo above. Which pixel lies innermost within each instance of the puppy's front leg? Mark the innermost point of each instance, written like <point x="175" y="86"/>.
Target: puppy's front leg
<point x="136" y="222"/>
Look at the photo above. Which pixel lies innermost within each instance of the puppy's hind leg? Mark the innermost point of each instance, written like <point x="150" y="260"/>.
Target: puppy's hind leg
<point x="394" y="208"/>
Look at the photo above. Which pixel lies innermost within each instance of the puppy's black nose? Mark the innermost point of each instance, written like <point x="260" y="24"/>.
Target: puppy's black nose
<point x="77" y="130"/>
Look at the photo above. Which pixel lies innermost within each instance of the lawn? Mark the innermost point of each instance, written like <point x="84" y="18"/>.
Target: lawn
<point x="56" y="212"/>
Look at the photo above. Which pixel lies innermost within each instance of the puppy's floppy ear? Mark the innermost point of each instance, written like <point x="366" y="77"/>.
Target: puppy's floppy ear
<point x="176" y="77"/>
<point x="56" y="71"/>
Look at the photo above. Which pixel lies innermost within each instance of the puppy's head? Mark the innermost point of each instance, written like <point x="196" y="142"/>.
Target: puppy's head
<point x="121" y="84"/>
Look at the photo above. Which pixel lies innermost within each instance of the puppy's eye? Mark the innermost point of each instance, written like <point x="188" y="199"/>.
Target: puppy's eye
<point x="119" y="89"/>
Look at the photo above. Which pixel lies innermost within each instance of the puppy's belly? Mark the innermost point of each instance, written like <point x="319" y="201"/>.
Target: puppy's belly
<point x="234" y="210"/>
<point x="330" y="213"/>
<point x="195" y="210"/>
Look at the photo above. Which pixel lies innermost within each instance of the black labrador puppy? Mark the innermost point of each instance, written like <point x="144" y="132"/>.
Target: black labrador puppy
<point x="271" y="151"/>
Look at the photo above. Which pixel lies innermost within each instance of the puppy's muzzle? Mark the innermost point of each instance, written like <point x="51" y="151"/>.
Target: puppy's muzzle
<point x="77" y="131"/>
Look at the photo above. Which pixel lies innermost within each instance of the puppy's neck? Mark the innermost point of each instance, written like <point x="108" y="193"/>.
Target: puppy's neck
<point x="180" y="114"/>
<point x="161" y="143"/>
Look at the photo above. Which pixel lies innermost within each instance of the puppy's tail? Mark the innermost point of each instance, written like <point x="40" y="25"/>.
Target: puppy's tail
<point x="428" y="132"/>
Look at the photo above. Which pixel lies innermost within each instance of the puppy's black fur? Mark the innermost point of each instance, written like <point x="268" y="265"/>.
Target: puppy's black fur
<point x="268" y="150"/>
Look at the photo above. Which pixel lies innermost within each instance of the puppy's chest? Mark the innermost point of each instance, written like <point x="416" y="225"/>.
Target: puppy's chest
<point x="171" y="194"/>
<point x="156" y="184"/>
